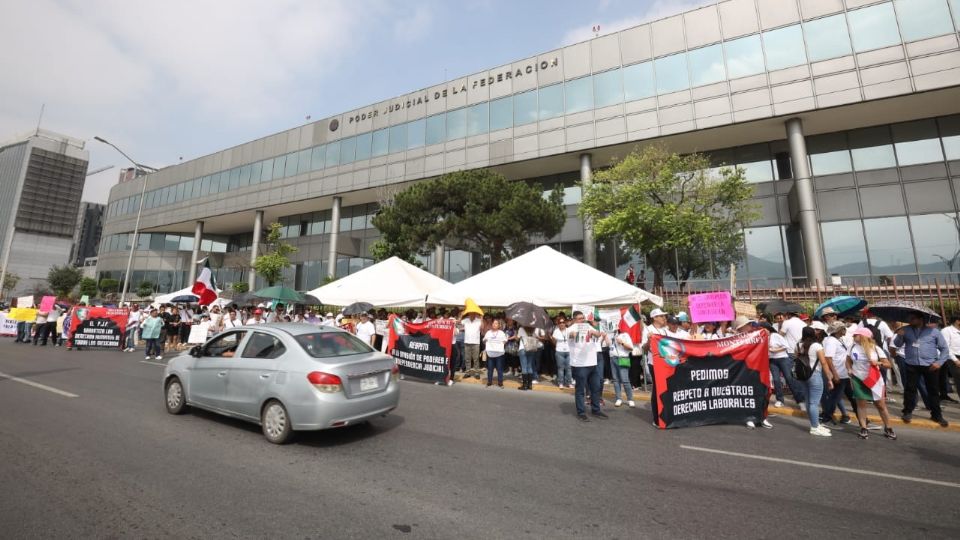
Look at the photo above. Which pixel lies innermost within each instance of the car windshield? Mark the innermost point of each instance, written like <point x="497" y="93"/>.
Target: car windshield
<point x="329" y="344"/>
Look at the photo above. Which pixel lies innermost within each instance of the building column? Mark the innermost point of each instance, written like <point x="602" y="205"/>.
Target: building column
<point x="803" y="184"/>
<point x="438" y="260"/>
<point x="589" y="245"/>
<point x="197" y="240"/>
<point x="334" y="237"/>
<point x="255" y="248"/>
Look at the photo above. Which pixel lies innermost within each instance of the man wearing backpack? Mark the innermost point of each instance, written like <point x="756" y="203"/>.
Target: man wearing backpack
<point x="925" y="354"/>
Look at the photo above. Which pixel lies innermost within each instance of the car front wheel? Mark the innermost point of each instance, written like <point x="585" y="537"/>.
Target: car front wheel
<point x="175" y="400"/>
<point x="276" y="423"/>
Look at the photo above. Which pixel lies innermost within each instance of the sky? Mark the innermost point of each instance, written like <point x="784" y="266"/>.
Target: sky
<point x="179" y="79"/>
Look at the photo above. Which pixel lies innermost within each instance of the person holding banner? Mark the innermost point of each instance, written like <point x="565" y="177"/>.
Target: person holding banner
<point x="864" y="362"/>
<point x="583" y="339"/>
<point x="658" y="326"/>
<point x="496" y="341"/>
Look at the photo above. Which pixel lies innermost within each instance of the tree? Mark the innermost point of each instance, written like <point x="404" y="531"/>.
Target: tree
<point x="88" y="287"/>
<point x="10" y="281"/>
<point x="476" y="210"/>
<point x="686" y="219"/>
<point x="144" y="289"/>
<point x="271" y="265"/>
<point x="63" y="279"/>
<point x="109" y="285"/>
<point x="240" y="286"/>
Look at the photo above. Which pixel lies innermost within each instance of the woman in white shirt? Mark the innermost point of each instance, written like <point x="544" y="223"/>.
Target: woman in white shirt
<point x="864" y="363"/>
<point x="561" y="349"/>
<point x="811" y="351"/>
<point x="620" y="351"/>
<point x="495" y="340"/>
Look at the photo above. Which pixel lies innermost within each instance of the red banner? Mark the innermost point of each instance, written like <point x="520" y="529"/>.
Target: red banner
<point x="97" y="326"/>
<point x="422" y="350"/>
<point x="702" y="382"/>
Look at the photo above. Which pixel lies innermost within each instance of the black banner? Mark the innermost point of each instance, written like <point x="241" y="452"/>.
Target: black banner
<point x="422" y="350"/>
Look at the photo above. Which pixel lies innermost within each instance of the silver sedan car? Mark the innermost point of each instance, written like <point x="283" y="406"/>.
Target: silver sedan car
<point x="286" y="377"/>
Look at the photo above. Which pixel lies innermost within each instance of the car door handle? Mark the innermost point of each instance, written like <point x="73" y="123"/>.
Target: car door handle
<point x="222" y="374"/>
<point x="264" y="375"/>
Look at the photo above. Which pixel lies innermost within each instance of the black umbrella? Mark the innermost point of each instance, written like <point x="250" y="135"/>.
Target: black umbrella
<point x="244" y="298"/>
<point x="527" y="314"/>
<point x="901" y="310"/>
<point x="357" y="308"/>
<point x="780" y="306"/>
<point x="311" y="300"/>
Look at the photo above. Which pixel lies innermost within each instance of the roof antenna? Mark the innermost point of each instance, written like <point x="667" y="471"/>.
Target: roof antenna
<point x="40" y="119"/>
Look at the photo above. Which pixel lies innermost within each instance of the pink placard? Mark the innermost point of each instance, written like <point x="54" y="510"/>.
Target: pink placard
<point x="46" y="304"/>
<point x="711" y="307"/>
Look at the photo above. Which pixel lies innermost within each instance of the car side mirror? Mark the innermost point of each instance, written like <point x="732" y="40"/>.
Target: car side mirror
<point x="196" y="351"/>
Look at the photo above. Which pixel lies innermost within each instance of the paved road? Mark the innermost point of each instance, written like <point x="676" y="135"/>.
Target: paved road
<point x="464" y="462"/>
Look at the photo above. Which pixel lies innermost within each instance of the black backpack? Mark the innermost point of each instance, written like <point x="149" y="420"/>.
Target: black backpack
<point x="801" y="369"/>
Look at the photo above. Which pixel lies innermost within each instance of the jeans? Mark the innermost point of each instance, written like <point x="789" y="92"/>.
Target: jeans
<point x="23" y="331"/>
<point x="814" y="392"/>
<point x="911" y="379"/>
<point x="495" y="362"/>
<point x="834" y="398"/>
<point x="948" y="370"/>
<point x="921" y="386"/>
<point x="472" y="356"/>
<point x="526" y="361"/>
<point x="564" y="375"/>
<point x="584" y="376"/>
<point x="458" y="364"/>
<point x="621" y="377"/>
<point x="784" y="366"/>
<point x="153" y="346"/>
<point x="44" y="331"/>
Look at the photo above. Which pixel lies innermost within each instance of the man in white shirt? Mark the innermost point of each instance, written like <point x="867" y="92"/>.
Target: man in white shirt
<point x="792" y="329"/>
<point x="230" y="320"/>
<point x="366" y="330"/>
<point x="257" y="317"/>
<point x="328" y="320"/>
<point x="951" y="334"/>
<point x="582" y="340"/>
<point x="471" y="343"/>
<point x="133" y="322"/>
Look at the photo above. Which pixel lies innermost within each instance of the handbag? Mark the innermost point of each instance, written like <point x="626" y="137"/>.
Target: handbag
<point x="511" y="348"/>
<point x="623" y="361"/>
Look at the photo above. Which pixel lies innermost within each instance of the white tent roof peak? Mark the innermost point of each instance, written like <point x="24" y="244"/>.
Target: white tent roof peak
<point x="546" y="278"/>
<point x="389" y="283"/>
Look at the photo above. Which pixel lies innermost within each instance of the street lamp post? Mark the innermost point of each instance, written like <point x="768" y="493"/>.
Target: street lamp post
<point x="136" y="228"/>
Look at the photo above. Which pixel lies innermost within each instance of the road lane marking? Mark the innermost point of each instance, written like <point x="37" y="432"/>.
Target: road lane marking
<point x="37" y="385"/>
<point x="820" y="466"/>
<point x="153" y="363"/>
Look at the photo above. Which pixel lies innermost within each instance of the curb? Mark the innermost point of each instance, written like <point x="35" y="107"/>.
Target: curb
<point x="640" y="395"/>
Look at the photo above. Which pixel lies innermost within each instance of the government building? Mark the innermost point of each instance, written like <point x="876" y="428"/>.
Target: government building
<point x="845" y="115"/>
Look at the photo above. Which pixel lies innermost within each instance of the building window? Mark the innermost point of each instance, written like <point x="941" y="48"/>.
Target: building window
<point x="950" y="131"/>
<point x="638" y="82"/>
<point x="871" y="149"/>
<point x="744" y="56"/>
<point x="551" y="101"/>
<point x="456" y="124"/>
<point x="607" y="88"/>
<point x="398" y="138"/>
<point x="267" y="172"/>
<point x="317" y="157"/>
<point x="829" y="154"/>
<point x="348" y="150"/>
<point x="826" y="38"/>
<point x="873" y="27"/>
<point x="578" y="94"/>
<point x="921" y="19"/>
<point x="291" y="165"/>
<point x="917" y="142"/>
<point x="756" y="163"/>
<point x="525" y="108"/>
<point x="478" y="121"/>
<point x="333" y="154"/>
<point x="765" y="252"/>
<point x="501" y="113"/>
<point x="381" y="141"/>
<point x="279" y="165"/>
<point x="436" y="129"/>
<point x="936" y="238"/>
<point x="416" y="133"/>
<point x="955" y="8"/>
<point x="363" y="146"/>
<point x="843" y="248"/>
<point x="890" y="249"/>
<point x="706" y="65"/>
<point x="303" y="161"/>
<point x="671" y="73"/>
<point x="784" y="48"/>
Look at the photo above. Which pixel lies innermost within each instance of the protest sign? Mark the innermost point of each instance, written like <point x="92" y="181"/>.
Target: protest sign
<point x="711" y="307"/>
<point x="46" y="303"/>
<point x="97" y="326"/>
<point x="198" y="333"/>
<point x="422" y="350"/>
<point x="23" y="314"/>
<point x="723" y="381"/>
<point x="8" y="327"/>
<point x="25" y="302"/>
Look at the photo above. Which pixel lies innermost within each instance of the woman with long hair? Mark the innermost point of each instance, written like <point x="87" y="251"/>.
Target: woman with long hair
<point x="864" y="363"/>
<point x="810" y="350"/>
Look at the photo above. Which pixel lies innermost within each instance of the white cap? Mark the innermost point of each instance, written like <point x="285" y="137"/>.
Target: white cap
<point x="330" y="315"/>
<point x="657" y="312"/>
<point x="817" y="325"/>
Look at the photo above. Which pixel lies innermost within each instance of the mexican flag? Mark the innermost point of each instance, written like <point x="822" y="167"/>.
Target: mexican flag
<point x="874" y="382"/>
<point x="631" y="323"/>
<point x="206" y="285"/>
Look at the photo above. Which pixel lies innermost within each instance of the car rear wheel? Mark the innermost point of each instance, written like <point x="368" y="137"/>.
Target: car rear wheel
<point x="276" y="423"/>
<point x="175" y="400"/>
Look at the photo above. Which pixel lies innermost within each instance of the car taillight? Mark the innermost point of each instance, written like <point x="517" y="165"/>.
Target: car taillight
<point x="325" y="382"/>
<point x="395" y="372"/>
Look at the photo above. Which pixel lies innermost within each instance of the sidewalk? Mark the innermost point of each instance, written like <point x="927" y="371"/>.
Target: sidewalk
<point x="921" y="417"/>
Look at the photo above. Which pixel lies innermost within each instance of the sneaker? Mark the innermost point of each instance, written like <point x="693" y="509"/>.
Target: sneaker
<point x="864" y="434"/>
<point x="888" y="433"/>
<point x="618" y="403"/>
<point x="146" y="357"/>
<point x="583" y="418"/>
<point x="821" y="431"/>
<point x="631" y="403"/>
<point x="450" y="382"/>
<point x="751" y="425"/>
<point x="845" y="420"/>
<point x="766" y="423"/>
<point x="803" y="407"/>
<point x="158" y="357"/>
<point x="778" y="403"/>
<point x="600" y="414"/>
<point x="942" y="421"/>
<point x="906" y="418"/>
<point x="536" y="381"/>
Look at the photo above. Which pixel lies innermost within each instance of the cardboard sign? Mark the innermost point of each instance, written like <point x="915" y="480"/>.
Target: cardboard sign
<point x="711" y="307"/>
<point x="198" y="333"/>
<point x="25" y="302"/>
<point x="8" y="327"/>
<point x="46" y="303"/>
<point x="23" y="314"/>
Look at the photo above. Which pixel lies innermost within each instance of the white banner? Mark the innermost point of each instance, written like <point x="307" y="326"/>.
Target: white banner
<point x="8" y="327"/>
<point x="25" y="301"/>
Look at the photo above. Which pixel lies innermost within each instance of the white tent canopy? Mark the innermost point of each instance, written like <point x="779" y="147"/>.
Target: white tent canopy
<point x="546" y="278"/>
<point x="390" y="283"/>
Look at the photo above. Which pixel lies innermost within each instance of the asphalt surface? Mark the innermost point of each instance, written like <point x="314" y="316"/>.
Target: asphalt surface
<point x="458" y="462"/>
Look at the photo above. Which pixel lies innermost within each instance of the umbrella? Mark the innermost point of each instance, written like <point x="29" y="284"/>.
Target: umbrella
<point x="900" y="310"/>
<point x="243" y="298"/>
<point x="357" y="308"/>
<point x="842" y="305"/>
<point x="283" y="294"/>
<point x="527" y="314"/>
<point x="185" y="298"/>
<point x="310" y="300"/>
<point x="779" y="306"/>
